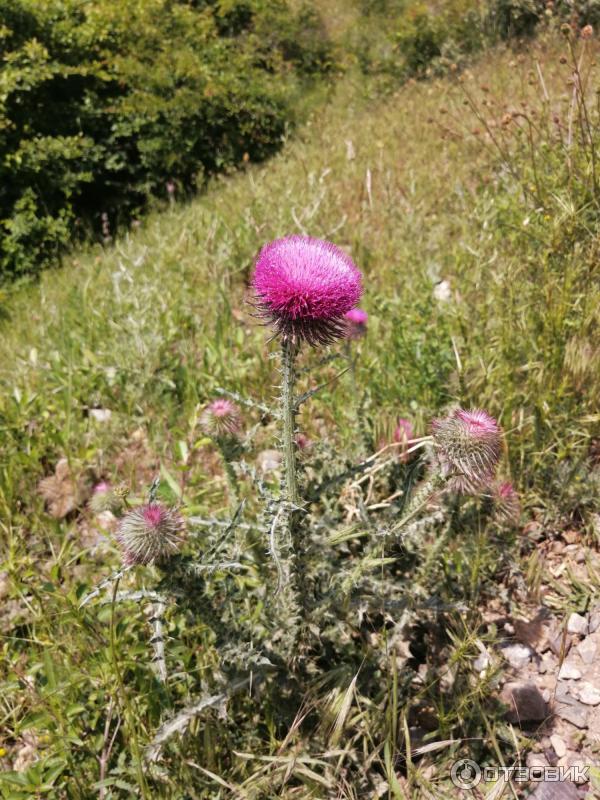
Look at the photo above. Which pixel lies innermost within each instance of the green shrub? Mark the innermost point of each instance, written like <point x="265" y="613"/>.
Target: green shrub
<point x="102" y="104"/>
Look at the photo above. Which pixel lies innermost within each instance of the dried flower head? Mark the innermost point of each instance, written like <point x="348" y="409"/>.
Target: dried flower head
<point x="221" y="418"/>
<point x="61" y="491"/>
<point x="468" y="446"/>
<point x="304" y="286"/>
<point x="403" y="433"/>
<point x="150" y="533"/>
<point x="508" y="506"/>
<point x="587" y="32"/>
<point x="356" y="323"/>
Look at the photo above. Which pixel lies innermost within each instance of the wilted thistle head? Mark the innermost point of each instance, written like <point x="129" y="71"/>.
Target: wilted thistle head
<point x="150" y="534"/>
<point x="356" y="323"/>
<point x="468" y="446"/>
<point x="304" y="286"/>
<point x="508" y="506"/>
<point x="403" y="433"/>
<point x="221" y="418"/>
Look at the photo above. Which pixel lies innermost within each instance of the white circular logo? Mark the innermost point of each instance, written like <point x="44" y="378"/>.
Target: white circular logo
<point x="465" y="773"/>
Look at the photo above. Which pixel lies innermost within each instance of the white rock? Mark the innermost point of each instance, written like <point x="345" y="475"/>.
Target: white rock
<point x="517" y="655"/>
<point x="568" y="672"/>
<point x="101" y="414"/>
<point x="442" y="291"/>
<point x="589" y="695"/>
<point x="577" y="624"/>
<point x="560" y="748"/>
<point x="587" y="650"/>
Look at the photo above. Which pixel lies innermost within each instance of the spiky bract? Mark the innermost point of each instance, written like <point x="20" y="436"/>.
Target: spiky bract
<point x="150" y="534"/>
<point x="221" y="418"/>
<point x="468" y="447"/>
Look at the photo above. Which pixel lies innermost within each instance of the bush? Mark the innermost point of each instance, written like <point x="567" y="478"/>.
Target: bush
<point x="104" y="105"/>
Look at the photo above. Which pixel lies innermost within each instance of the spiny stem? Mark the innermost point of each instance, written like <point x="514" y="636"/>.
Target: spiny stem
<point x="288" y="413"/>
<point x="129" y="713"/>
<point x="418" y="501"/>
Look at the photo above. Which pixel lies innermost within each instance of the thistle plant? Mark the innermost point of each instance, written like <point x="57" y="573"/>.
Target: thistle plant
<point x="307" y="291"/>
<point x="304" y="288"/>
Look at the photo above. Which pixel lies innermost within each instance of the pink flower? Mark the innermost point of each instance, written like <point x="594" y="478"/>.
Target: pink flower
<point x="403" y="434"/>
<point x="508" y="506"/>
<point x="302" y="441"/>
<point x="468" y="446"/>
<point x="305" y="286"/>
<point x="221" y="418"/>
<point x="356" y="323"/>
<point x="150" y="533"/>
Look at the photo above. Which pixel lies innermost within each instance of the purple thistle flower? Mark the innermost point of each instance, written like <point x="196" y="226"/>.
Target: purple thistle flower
<point x="221" y="418"/>
<point x="356" y="323"/>
<point x="150" y="533"/>
<point x="468" y="446"/>
<point x="103" y="498"/>
<point x="305" y="286"/>
<point x="508" y="506"/>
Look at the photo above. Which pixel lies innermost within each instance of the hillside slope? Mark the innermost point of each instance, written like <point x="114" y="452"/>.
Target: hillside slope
<point x="481" y="282"/>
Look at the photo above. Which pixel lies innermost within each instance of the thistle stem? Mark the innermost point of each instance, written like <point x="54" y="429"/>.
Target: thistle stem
<point x="288" y="413"/>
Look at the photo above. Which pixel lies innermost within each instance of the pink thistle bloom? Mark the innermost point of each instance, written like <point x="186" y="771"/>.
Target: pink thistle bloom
<point x="468" y="445"/>
<point x="302" y="441"/>
<point x="402" y="435"/>
<point x="103" y="498"/>
<point x="150" y="533"/>
<point x="356" y="323"/>
<point x="305" y="286"/>
<point x="508" y="506"/>
<point x="221" y="418"/>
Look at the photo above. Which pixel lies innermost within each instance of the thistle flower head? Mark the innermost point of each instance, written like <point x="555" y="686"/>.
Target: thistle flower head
<point x="468" y="447"/>
<point x="221" y="418"/>
<point x="302" y="441"/>
<point x="305" y="286"/>
<point x="508" y="506"/>
<point x="150" y="533"/>
<point x="104" y="499"/>
<point x="356" y="323"/>
<point x="403" y="433"/>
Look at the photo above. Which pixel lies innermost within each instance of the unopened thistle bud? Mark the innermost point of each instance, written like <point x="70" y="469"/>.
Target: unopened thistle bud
<point x="150" y="534"/>
<point x="468" y="447"/>
<point x="104" y="498"/>
<point x="356" y="323"/>
<point x="508" y="506"/>
<point x="402" y="435"/>
<point x="304" y="287"/>
<point x="221" y="418"/>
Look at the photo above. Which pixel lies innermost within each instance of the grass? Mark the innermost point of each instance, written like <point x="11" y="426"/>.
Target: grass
<point x="421" y="185"/>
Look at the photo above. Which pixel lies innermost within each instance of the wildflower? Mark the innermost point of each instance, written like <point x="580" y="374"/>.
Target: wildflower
<point x="104" y="498"/>
<point x="302" y="441"/>
<point x="356" y="323"/>
<point x="171" y="188"/>
<point x="221" y="418"/>
<point x="403" y="434"/>
<point x="468" y="446"/>
<point x="508" y="506"/>
<point x="304" y="286"/>
<point x="150" y="533"/>
<point x="587" y="32"/>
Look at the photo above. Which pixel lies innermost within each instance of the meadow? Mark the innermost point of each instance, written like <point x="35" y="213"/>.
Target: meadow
<point x="469" y="201"/>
